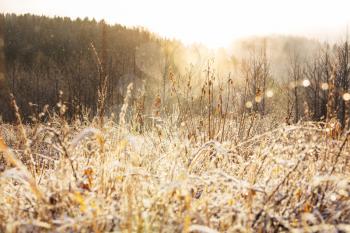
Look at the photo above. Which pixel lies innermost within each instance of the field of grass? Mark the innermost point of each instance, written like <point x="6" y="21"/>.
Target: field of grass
<point x="112" y="128"/>
<point x="81" y="177"/>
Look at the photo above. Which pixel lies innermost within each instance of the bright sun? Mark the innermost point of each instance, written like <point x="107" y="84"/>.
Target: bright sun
<point x="214" y="23"/>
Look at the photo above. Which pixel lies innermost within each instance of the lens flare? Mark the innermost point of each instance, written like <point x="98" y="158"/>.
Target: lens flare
<point x="248" y="104"/>
<point x="346" y="96"/>
<point x="269" y="93"/>
<point x="306" y="83"/>
<point x="258" y="98"/>
<point x="324" y="86"/>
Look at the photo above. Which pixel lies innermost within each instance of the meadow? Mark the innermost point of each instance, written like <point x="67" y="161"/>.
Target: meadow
<point x="105" y="128"/>
<point x="84" y="176"/>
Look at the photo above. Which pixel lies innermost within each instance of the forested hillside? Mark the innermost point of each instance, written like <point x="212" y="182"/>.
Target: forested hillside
<point x="52" y="59"/>
<point x="46" y="55"/>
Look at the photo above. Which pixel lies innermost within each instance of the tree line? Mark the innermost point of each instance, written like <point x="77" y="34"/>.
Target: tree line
<point x="43" y="57"/>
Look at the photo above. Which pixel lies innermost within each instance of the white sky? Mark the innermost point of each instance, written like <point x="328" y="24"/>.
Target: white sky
<point x="212" y="22"/>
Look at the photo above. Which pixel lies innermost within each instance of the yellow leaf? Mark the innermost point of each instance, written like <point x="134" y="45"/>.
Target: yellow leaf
<point x="231" y="202"/>
<point x="187" y="223"/>
<point x="276" y="170"/>
<point x="122" y="144"/>
<point x="3" y="146"/>
<point x="307" y="207"/>
<point x="294" y="222"/>
<point x="80" y="200"/>
<point x="119" y="178"/>
<point x="100" y="139"/>
<point x="298" y="193"/>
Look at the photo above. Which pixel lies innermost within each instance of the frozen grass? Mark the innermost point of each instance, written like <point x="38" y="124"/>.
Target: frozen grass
<point x="289" y="178"/>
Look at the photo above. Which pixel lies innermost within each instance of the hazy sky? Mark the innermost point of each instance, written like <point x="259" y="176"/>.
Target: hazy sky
<point x="212" y="22"/>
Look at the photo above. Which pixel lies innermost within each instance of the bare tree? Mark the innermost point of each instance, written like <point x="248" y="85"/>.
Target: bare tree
<point x="294" y="74"/>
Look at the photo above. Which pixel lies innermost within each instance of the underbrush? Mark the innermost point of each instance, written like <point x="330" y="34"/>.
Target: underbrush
<point x="81" y="177"/>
